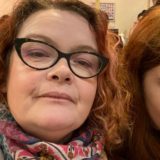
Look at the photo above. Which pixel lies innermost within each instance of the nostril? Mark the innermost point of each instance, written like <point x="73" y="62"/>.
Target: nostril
<point x="55" y="77"/>
<point x="67" y="79"/>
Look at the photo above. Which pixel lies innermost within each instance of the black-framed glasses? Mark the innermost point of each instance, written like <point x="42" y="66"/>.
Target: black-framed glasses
<point x="40" y="55"/>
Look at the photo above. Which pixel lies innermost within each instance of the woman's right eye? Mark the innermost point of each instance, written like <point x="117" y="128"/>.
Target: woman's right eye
<point x="36" y="54"/>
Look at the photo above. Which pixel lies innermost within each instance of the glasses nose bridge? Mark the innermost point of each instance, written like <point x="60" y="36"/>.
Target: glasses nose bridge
<point x="65" y="56"/>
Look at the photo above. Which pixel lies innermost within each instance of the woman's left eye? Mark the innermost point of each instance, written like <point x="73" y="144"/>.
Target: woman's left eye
<point x="84" y="63"/>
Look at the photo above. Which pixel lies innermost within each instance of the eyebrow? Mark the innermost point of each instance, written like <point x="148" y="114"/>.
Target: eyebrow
<point x="81" y="47"/>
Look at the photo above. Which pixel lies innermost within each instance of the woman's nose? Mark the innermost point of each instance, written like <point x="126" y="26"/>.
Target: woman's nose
<point x="60" y="72"/>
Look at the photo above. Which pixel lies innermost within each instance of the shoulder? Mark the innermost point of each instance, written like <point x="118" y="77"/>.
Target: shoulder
<point x="1" y="155"/>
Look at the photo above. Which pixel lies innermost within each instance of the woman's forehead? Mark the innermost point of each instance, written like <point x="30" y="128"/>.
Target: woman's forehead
<point x="59" y="26"/>
<point x="56" y="16"/>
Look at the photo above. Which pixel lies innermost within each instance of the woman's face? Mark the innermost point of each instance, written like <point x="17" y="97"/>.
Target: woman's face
<point x="152" y="94"/>
<point x="51" y="103"/>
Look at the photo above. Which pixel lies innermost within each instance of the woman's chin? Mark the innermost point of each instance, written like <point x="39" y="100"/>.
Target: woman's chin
<point x="50" y="124"/>
<point x="50" y="130"/>
<point x="54" y="124"/>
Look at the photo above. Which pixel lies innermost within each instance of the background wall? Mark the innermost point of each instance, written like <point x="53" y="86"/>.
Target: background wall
<point x="126" y="11"/>
<point x="6" y="6"/>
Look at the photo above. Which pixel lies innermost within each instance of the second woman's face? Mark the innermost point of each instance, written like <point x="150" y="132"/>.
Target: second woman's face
<point x="152" y="94"/>
<point x="52" y="103"/>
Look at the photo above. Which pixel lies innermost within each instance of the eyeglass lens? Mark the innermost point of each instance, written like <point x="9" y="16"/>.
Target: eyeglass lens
<point x="40" y="56"/>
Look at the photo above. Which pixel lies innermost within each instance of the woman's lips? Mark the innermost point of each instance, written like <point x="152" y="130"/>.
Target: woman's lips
<point x="57" y="95"/>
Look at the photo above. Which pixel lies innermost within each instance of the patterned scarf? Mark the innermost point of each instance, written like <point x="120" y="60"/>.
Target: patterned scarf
<point x="16" y="144"/>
